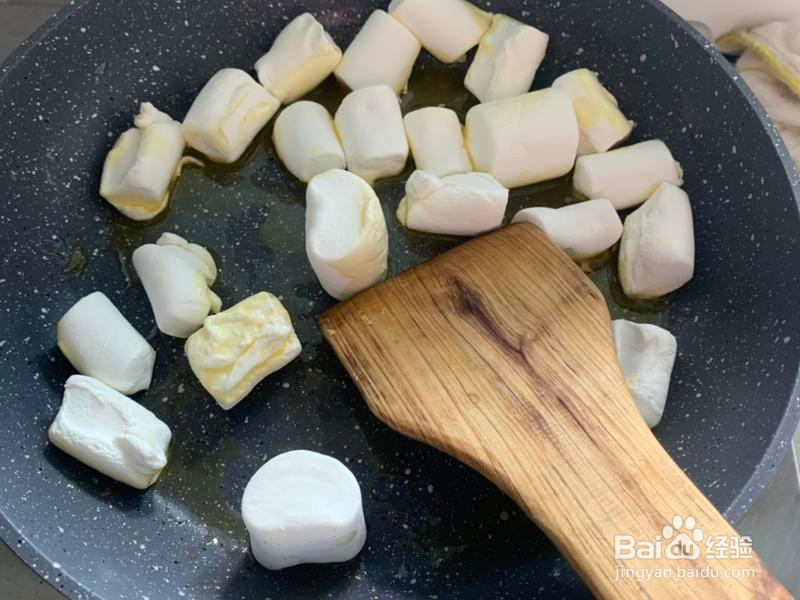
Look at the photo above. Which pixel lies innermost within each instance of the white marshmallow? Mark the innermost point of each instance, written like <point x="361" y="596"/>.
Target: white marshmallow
<point x="646" y="356"/>
<point x="523" y="140"/>
<point x="626" y="176"/>
<point x="506" y="61"/>
<point x="384" y="51"/>
<point x="303" y="507"/>
<point x="370" y="126"/>
<point x="139" y="168"/>
<point x="436" y="140"/>
<point x="656" y="255"/>
<point x="306" y="140"/>
<point x="110" y="432"/>
<point x="240" y="346"/>
<point x="601" y="121"/>
<point x="99" y="342"/>
<point x="346" y="238"/>
<point x="464" y="204"/>
<point x="446" y="28"/>
<point x="300" y="58"/>
<point x="227" y="115"/>
<point x="581" y="230"/>
<point x="176" y="276"/>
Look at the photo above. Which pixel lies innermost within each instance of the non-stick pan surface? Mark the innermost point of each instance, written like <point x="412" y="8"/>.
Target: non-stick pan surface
<point x="436" y="529"/>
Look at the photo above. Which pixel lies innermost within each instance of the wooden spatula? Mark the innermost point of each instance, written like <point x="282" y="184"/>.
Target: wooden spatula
<point x="499" y="352"/>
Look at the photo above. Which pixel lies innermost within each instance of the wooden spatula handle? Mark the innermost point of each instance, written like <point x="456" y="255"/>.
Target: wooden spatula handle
<point x="499" y="352"/>
<point x="619" y="481"/>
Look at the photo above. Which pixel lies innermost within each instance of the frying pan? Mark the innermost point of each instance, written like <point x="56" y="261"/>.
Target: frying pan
<point x="436" y="529"/>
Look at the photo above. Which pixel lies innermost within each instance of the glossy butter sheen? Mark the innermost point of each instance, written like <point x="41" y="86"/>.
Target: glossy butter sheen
<point x="237" y="348"/>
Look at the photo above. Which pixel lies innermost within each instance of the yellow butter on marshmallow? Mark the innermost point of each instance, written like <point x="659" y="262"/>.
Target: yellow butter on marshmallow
<point x="237" y="348"/>
<point x="301" y="56"/>
<point x="227" y="115"/>
<point x="602" y="123"/>
<point x="139" y="168"/>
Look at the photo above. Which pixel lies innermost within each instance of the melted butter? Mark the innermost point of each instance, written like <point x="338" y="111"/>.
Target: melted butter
<point x="251" y="215"/>
<point x="205" y="473"/>
<point x="259" y="180"/>
<point x="76" y="260"/>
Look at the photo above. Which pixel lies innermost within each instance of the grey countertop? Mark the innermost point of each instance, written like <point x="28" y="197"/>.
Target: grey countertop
<point x="20" y="18"/>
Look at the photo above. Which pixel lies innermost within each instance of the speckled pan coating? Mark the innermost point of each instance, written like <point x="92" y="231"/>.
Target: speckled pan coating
<point x="436" y="529"/>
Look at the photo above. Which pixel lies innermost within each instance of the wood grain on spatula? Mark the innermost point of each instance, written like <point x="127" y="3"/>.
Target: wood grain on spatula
<point x="499" y="352"/>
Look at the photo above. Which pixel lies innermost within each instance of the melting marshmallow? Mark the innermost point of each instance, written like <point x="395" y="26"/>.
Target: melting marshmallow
<point x="525" y="139"/>
<point x="99" y="342"/>
<point x="346" y="238"/>
<point x="110" y="433"/>
<point x="306" y="140"/>
<point x="384" y="51"/>
<point x="656" y="255"/>
<point x="446" y="28"/>
<point x="506" y="61"/>
<point x="601" y="121"/>
<point x="227" y="115"/>
<point x="646" y="356"/>
<point x="581" y="230"/>
<point x="436" y="140"/>
<point x="139" y="168"/>
<point x="370" y="126"/>
<point x="626" y="176"/>
<point x="176" y="276"/>
<point x="300" y="58"/>
<point x="240" y="346"/>
<point x="303" y="507"/>
<point x="465" y="204"/>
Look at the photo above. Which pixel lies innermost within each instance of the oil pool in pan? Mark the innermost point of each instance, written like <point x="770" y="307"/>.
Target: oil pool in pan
<point x="259" y="179"/>
<point x="219" y="206"/>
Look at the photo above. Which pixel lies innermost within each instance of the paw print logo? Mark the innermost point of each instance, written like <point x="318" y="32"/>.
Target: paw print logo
<point x="683" y="538"/>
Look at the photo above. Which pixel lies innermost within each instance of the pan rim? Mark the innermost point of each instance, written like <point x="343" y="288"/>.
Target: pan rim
<point x="782" y="440"/>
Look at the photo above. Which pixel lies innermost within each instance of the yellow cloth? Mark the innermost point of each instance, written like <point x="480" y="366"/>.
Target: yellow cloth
<point x="770" y="65"/>
<point x="768" y="32"/>
<point x="722" y="16"/>
<point x="777" y="44"/>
